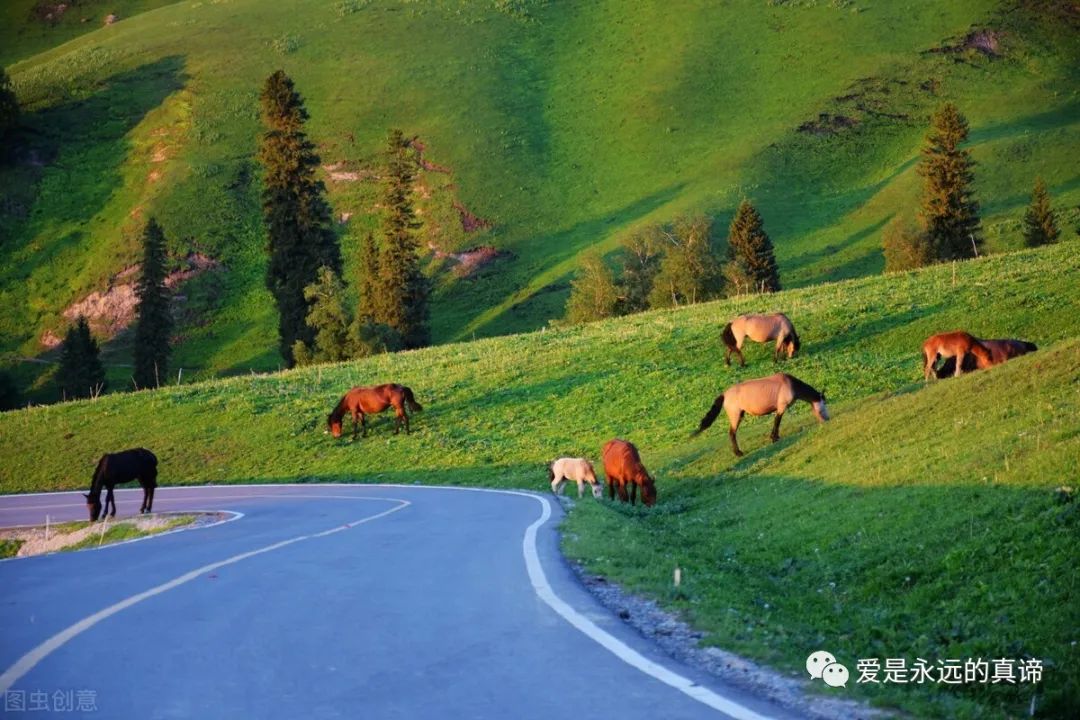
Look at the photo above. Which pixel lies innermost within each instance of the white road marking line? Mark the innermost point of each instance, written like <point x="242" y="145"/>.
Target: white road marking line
<point x="27" y="662"/>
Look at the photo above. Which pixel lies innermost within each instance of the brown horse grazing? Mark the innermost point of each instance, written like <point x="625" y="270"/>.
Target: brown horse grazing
<point x="361" y="401"/>
<point x="1000" y="351"/>
<point x="760" y="397"/>
<point x="116" y="469"/>
<point x="957" y="344"/>
<point x="760" y="328"/>
<point x="622" y="465"/>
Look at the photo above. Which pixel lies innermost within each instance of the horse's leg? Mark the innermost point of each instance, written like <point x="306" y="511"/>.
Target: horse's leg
<point x="731" y="433"/>
<point x="363" y="426"/>
<point x="610" y="488"/>
<point x="145" y="497"/>
<point x="109" y="499"/>
<point x="738" y="349"/>
<point x="929" y="361"/>
<point x="633" y="493"/>
<point x="775" y="434"/>
<point x="580" y="488"/>
<point x="959" y="364"/>
<point x="556" y="483"/>
<point x="623" y="496"/>
<point x="727" y="356"/>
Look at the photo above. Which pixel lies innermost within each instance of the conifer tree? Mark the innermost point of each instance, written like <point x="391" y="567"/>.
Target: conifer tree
<point x="751" y="265"/>
<point x="153" y="322"/>
<point x="369" y="280"/>
<point x="81" y="373"/>
<point x="1040" y="225"/>
<point x="949" y="214"/>
<point x="298" y="219"/>
<point x="593" y="293"/>
<point x="402" y="296"/>
<point x="329" y="319"/>
<point x="9" y="105"/>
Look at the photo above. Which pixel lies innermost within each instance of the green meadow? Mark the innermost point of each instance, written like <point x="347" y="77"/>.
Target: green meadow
<point x="922" y="521"/>
<point x="565" y="125"/>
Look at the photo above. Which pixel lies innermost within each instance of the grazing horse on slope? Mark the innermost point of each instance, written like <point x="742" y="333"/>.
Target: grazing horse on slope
<point x="119" y="468"/>
<point x="957" y="344"/>
<point x="577" y="469"/>
<point x="760" y="328"/>
<point x="1000" y="351"/>
<point x="773" y="394"/>
<point x="622" y="465"/>
<point x="360" y="401"/>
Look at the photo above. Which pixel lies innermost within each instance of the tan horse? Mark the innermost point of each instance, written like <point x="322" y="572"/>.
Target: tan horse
<point x="760" y="328"/>
<point x="579" y="470"/>
<point x="622" y="465"/>
<point x="957" y="344"/>
<point x="773" y="394"/>
<point x="1000" y="351"/>
<point x="361" y="401"/>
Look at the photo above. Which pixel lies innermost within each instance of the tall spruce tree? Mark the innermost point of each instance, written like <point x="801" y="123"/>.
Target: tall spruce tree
<point x="403" y="291"/>
<point x="689" y="271"/>
<point x="751" y="263"/>
<point x="330" y="320"/>
<point x="368" y="290"/>
<point x="81" y="373"/>
<point x="949" y="213"/>
<point x="9" y="107"/>
<point x="1040" y="225"/>
<point x="298" y="219"/>
<point x="154" y="321"/>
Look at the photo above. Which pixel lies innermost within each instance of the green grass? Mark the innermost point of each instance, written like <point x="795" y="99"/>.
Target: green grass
<point x="122" y="531"/>
<point x="564" y="136"/>
<point x="929" y="509"/>
<point x="10" y="548"/>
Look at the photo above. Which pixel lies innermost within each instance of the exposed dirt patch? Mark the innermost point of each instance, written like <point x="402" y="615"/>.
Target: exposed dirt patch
<point x="469" y="261"/>
<point x="112" y="310"/>
<point x="469" y="222"/>
<point x="423" y="162"/>
<point x="828" y="124"/>
<point x="41" y="540"/>
<point x="984" y="41"/>
<point x="342" y="172"/>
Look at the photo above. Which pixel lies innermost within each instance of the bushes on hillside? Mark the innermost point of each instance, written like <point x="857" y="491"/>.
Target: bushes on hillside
<point x="80" y="374"/>
<point x="1040" y="225"/>
<point x="905" y="246"/>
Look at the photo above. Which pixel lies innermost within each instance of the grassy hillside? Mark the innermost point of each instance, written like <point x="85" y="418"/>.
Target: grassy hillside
<point x="565" y="125"/>
<point x="923" y="515"/>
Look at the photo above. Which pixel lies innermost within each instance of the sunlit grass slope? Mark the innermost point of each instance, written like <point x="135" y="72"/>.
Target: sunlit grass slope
<point x="564" y="124"/>
<point x="920" y="522"/>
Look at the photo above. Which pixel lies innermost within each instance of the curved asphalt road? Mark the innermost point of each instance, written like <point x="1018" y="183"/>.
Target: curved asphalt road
<point x="327" y="601"/>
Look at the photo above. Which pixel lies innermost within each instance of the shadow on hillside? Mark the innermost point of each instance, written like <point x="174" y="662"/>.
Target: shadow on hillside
<point x="71" y="161"/>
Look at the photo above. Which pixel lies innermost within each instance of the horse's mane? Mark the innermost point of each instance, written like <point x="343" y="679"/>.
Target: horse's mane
<point x="802" y="389"/>
<point x="98" y="478"/>
<point x="339" y="410"/>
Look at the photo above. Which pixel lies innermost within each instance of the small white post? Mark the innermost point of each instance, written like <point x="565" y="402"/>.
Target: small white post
<point x="104" y="524"/>
<point x="179" y="375"/>
<point x="46" y="528"/>
<point x="678" y="576"/>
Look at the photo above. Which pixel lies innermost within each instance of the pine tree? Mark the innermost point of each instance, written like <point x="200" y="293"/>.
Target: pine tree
<point x="368" y="290"/>
<point x="153" y="322"/>
<point x="10" y="397"/>
<point x="642" y="253"/>
<point x="9" y="104"/>
<point x="298" y="218"/>
<point x="949" y="215"/>
<point x="593" y="293"/>
<point x="751" y="265"/>
<point x="329" y="319"/>
<point x="1040" y="225"/>
<point x="81" y="373"/>
<point x="402" y="295"/>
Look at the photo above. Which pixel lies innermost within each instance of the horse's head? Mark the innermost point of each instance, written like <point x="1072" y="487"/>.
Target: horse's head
<point x="597" y="490"/>
<point x="793" y="345"/>
<point x="648" y="491"/>
<point x="334" y="425"/>
<point x="821" y="410"/>
<point x="93" y="506"/>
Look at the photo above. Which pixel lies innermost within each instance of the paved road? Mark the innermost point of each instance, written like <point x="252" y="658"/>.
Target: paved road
<point x="330" y="601"/>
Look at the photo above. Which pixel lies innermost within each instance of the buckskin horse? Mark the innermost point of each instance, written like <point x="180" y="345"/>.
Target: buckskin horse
<point x="957" y="344"/>
<point x="1000" y="351"/>
<point x="622" y="466"/>
<point x="119" y="468"/>
<point x="773" y="394"/>
<point x="362" y="401"/>
<point x="760" y="328"/>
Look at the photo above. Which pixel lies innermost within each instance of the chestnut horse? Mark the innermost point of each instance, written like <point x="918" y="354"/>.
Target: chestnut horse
<point x="957" y="344"/>
<point x="116" y="469"/>
<point x="1000" y="351"/>
<point x="773" y="394"/>
<point x="361" y="401"/>
<point x="622" y="465"/>
<point x="577" y="469"/>
<point x="760" y="328"/>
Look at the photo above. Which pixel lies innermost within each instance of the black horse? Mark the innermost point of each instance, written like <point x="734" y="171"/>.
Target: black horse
<point x="118" y="468"/>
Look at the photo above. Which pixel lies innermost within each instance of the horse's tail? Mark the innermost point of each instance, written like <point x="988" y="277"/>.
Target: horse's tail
<point x="551" y="472"/>
<point x="411" y="400"/>
<point x="728" y="337"/>
<point x="710" y="416"/>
